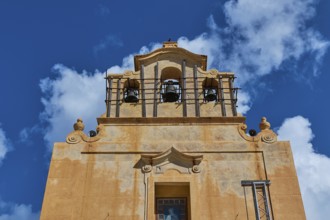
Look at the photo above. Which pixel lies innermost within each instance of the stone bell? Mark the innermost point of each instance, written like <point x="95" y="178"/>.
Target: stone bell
<point x="131" y="95"/>
<point x="170" y="94"/>
<point x="211" y="95"/>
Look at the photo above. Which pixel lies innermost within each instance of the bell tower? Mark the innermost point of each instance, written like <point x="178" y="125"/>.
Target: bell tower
<point x="171" y="81"/>
<point x="171" y="145"/>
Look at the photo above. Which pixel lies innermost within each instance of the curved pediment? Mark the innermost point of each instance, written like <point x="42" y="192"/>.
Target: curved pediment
<point x="171" y="159"/>
<point x="171" y="49"/>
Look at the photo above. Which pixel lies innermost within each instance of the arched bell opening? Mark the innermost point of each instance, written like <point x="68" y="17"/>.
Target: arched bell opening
<point x="170" y="85"/>
<point x="210" y="89"/>
<point x="131" y="90"/>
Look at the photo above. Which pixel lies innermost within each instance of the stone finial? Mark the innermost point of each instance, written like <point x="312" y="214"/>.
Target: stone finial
<point x="168" y="44"/>
<point x="264" y="124"/>
<point x="79" y="125"/>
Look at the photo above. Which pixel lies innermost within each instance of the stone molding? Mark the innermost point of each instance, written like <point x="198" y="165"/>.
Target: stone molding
<point x="213" y="73"/>
<point x="171" y="159"/>
<point x="177" y="51"/>
<point x="169" y="120"/>
<point x="127" y="74"/>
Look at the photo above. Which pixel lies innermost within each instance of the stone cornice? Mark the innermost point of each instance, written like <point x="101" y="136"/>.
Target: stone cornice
<point x="172" y="152"/>
<point x="175" y="120"/>
<point x="199" y="59"/>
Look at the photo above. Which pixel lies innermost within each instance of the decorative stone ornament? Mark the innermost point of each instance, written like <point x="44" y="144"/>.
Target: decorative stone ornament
<point x="146" y="168"/>
<point x="265" y="135"/>
<point x="78" y="135"/>
<point x="172" y="159"/>
<point x="170" y="44"/>
<point x="79" y="125"/>
<point x="264" y="124"/>
<point x="196" y="169"/>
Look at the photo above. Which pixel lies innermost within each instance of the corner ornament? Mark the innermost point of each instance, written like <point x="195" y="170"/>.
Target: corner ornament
<point x="265" y="135"/>
<point x="78" y="134"/>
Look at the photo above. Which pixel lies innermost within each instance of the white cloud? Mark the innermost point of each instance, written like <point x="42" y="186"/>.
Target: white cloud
<point x="312" y="167"/>
<point x="73" y="95"/>
<point x="260" y="36"/>
<point x="243" y="102"/>
<point x="25" y="134"/>
<point x="9" y="211"/>
<point x="128" y="61"/>
<point x="204" y="44"/>
<point x="69" y="96"/>
<point x="267" y="33"/>
<point x="110" y="40"/>
<point x="102" y="10"/>
<point x="4" y="145"/>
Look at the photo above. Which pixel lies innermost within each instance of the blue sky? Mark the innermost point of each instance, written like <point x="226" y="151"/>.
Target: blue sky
<point x="53" y="55"/>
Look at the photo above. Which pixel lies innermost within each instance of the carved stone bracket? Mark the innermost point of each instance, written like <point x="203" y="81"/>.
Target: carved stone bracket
<point x="265" y="135"/>
<point x="171" y="159"/>
<point x="78" y="134"/>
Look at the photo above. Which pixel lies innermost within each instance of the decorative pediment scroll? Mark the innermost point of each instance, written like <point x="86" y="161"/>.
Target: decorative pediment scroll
<point x="171" y="159"/>
<point x="78" y="134"/>
<point x="265" y="135"/>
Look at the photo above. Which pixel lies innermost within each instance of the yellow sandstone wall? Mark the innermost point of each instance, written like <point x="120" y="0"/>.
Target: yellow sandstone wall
<point x="102" y="177"/>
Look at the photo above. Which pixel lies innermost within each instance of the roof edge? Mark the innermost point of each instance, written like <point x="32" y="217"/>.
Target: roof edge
<point x="170" y="47"/>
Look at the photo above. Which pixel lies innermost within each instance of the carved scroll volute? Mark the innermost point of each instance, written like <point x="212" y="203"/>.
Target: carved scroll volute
<point x="265" y="135"/>
<point x="196" y="167"/>
<point x="147" y="164"/>
<point x="78" y="134"/>
<point x="75" y="136"/>
<point x="146" y="168"/>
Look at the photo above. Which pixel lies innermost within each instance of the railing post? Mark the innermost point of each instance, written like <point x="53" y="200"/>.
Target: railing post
<point x="221" y="96"/>
<point x="155" y="90"/>
<point x="118" y="98"/>
<point x="197" y="110"/>
<point x="183" y="94"/>
<point x="108" y="95"/>
<point x="143" y="92"/>
<point x="232" y="96"/>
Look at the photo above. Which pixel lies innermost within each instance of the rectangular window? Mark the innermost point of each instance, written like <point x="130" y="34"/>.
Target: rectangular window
<point x="260" y="198"/>
<point x="172" y="201"/>
<point x="171" y="208"/>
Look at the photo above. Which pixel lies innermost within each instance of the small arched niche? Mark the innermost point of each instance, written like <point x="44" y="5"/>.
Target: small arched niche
<point x="170" y="85"/>
<point x="131" y="90"/>
<point x="210" y="89"/>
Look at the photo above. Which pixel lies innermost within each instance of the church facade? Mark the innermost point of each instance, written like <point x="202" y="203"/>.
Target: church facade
<point x="171" y="146"/>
